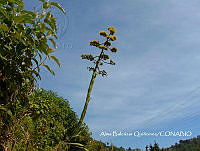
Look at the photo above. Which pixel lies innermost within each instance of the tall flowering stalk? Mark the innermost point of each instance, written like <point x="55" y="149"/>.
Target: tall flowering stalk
<point x="98" y="61"/>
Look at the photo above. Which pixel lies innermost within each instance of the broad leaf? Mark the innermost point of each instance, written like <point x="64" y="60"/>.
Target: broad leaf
<point x="53" y="42"/>
<point x="58" y="6"/>
<point x="56" y="60"/>
<point x="50" y="50"/>
<point x="49" y="69"/>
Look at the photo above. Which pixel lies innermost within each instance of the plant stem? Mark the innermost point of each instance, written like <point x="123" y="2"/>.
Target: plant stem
<point x="94" y="74"/>
<point x="87" y="98"/>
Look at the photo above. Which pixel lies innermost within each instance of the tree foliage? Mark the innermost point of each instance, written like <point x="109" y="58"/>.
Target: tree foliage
<point x="24" y="46"/>
<point x="192" y="144"/>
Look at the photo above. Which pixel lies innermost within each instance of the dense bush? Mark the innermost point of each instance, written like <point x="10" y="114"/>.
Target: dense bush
<point x="44" y="122"/>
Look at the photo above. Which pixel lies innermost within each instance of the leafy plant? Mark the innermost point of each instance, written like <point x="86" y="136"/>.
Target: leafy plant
<point x="24" y="46"/>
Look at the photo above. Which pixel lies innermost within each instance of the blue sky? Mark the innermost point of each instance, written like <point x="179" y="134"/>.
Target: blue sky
<point x="156" y="82"/>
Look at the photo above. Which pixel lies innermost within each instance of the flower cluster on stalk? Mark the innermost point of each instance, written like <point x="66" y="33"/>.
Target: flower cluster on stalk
<point x="104" y="47"/>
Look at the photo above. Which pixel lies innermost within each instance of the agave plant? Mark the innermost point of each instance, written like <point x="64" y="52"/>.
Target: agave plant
<point x="98" y="61"/>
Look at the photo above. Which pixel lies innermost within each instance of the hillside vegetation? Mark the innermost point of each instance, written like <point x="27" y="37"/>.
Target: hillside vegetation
<point x="192" y="144"/>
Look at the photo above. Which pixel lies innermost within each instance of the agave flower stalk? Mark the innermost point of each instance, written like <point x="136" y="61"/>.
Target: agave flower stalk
<point x="98" y="61"/>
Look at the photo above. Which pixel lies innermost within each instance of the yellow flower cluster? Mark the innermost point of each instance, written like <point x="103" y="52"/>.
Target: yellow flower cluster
<point x="107" y="43"/>
<point x="105" y="57"/>
<point x="103" y="33"/>
<point x="114" y="49"/>
<point x="87" y="56"/>
<point x="112" y="38"/>
<point x="94" y="43"/>
<point x="103" y="47"/>
<point x="112" y="30"/>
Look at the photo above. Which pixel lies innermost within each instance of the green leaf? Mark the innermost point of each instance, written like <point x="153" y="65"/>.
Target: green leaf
<point x="56" y="60"/>
<point x="46" y="5"/>
<point x="58" y="6"/>
<point x="37" y="74"/>
<point x="4" y="27"/>
<point x="50" y="50"/>
<point x="37" y="64"/>
<point x="3" y="57"/>
<point x="43" y="47"/>
<point x="42" y="1"/>
<point x="6" y="110"/>
<point x="25" y="18"/>
<point x="11" y="1"/>
<point x="29" y="13"/>
<point x="50" y="23"/>
<point x="76" y="144"/>
<point x="20" y="5"/>
<point x="3" y="12"/>
<point x="49" y="69"/>
<point x="53" y="42"/>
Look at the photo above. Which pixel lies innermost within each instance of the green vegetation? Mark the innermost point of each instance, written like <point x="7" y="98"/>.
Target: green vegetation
<point x="24" y="47"/>
<point x="151" y="147"/>
<point x="44" y="122"/>
<point x="186" y="145"/>
<point x="192" y="144"/>
<point x="95" y="145"/>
